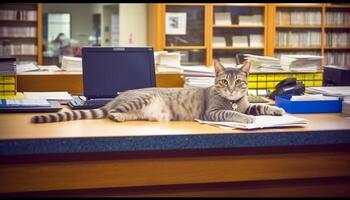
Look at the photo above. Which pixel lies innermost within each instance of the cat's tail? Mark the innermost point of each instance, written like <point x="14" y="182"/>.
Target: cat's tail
<point x="71" y="115"/>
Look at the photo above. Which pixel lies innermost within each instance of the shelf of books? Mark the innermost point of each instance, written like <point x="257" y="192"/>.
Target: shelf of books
<point x="237" y="29"/>
<point x="226" y="31"/>
<point x="20" y="31"/>
<point x="337" y="35"/>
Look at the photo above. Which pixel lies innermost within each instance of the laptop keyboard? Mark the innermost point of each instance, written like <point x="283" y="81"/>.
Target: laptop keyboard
<point x="78" y="103"/>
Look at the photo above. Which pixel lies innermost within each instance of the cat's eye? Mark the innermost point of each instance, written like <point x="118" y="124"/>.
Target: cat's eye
<point x="238" y="81"/>
<point x="225" y="82"/>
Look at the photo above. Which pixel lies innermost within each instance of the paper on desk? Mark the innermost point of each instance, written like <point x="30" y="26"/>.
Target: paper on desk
<point x="62" y="97"/>
<point x="263" y="121"/>
<point x="313" y="97"/>
<point x="26" y="102"/>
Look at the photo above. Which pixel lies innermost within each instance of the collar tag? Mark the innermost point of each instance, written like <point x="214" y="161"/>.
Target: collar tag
<point x="234" y="106"/>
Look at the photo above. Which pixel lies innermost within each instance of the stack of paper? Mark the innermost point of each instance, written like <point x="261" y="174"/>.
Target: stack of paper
<point x="71" y="64"/>
<point x="223" y="18"/>
<point x="301" y="63"/>
<point x="263" y="121"/>
<point x="7" y="66"/>
<point x="168" y="62"/>
<point x="264" y="63"/>
<point x="219" y="41"/>
<point x="198" y="76"/>
<point x="30" y="67"/>
<point x="61" y="97"/>
<point x="240" y="41"/>
<point x="336" y="91"/>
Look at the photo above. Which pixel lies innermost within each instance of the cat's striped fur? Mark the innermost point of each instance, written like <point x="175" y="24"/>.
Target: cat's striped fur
<point x="214" y="103"/>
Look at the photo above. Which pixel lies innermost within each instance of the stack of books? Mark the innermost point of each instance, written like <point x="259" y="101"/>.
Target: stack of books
<point x="72" y="64"/>
<point x="301" y="63"/>
<point x="263" y="63"/>
<point x="7" y="76"/>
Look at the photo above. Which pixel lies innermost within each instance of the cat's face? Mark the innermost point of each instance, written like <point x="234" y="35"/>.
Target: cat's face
<point x="231" y="83"/>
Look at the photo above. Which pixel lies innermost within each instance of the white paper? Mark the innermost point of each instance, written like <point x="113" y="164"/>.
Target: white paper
<point x="175" y="23"/>
<point x="48" y="95"/>
<point x="20" y="68"/>
<point x="240" y="41"/>
<point x="27" y="102"/>
<point x="223" y="18"/>
<point x="262" y="121"/>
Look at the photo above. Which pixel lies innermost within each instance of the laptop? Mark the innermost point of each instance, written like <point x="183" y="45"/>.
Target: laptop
<point x="108" y="71"/>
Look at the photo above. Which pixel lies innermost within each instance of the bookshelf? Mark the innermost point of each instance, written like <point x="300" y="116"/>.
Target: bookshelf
<point x="337" y="34"/>
<point x="242" y="27"/>
<point x="306" y="22"/>
<point x="298" y="29"/>
<point x="21" y="31"/>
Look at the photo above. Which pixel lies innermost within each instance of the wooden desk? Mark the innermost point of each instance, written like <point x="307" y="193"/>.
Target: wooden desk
<point x="102" y="157"/>
<point x="72" y="82"/>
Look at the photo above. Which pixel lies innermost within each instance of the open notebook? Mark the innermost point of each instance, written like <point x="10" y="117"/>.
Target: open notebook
<point x="263" y="121"/>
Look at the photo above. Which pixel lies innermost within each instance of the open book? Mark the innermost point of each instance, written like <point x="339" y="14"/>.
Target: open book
<point x="262" y="121"/>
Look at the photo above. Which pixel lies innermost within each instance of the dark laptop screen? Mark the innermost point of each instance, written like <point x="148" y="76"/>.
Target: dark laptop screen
<point x="108" y="70"/>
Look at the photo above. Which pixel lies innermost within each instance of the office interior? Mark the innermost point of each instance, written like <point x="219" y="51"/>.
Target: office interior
<point x="100" y="157"/>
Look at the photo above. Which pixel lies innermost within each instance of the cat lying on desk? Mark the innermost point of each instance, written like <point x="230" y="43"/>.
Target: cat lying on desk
<point x="226" y="100"/>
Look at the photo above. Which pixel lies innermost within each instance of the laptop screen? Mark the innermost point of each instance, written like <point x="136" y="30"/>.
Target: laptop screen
<point x="109" y="70"/>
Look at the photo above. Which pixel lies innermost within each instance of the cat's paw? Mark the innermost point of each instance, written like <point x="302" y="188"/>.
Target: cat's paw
<point x="118" y="117"/>
<point x="248" y="119"/>
<point x="276" y="111"/>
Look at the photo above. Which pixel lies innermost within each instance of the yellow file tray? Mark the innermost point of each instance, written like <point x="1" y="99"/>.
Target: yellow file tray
<point x="268" y="80"/>
<point x="8" y="86"/>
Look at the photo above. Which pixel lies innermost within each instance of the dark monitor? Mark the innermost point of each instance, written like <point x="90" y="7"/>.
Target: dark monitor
<point x="109" y="70"/>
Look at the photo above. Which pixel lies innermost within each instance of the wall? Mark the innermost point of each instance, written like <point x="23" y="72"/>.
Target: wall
<point x="133" y="20"/>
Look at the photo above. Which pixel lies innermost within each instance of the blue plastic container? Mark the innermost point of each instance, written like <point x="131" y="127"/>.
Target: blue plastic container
<point x="331" y="106"/>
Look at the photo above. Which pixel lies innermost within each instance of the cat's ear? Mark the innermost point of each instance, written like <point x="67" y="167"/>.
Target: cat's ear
<point x="218" y="67"/>
<point x="246" y="67"/>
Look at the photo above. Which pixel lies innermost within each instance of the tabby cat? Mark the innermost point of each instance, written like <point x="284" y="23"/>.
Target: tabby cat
<point x="226" y="100"/>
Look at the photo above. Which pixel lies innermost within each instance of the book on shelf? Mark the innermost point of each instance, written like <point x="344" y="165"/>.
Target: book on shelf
<point x="341" y="58"/>
<point x="337" y="18"/>
<point x="240" y="41"/>
<point x="219" y="41"/>
<point x="298" y="17"/>
<point x="25" y="31"/>
<point x="222" y="18"/>
<point x="298" y="39"/>
<point x="255" y="19"/>
<point x="256" y="40"/>
<point x="337" y="39"/>
<point x="21" y="15"/>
